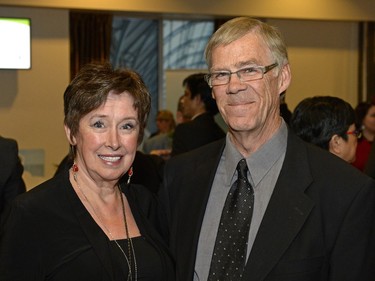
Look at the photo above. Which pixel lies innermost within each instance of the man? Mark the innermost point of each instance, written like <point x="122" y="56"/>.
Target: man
<point x="202" y="129"/>
<point x="181" y="114"/>
<point x="328" y="122"/>
<point x="312" y="214"/>
<point x="11" y="169"/>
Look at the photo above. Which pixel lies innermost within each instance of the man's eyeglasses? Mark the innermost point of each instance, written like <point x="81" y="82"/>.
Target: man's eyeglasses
<point x="356" y="133"/>
<point x="245" y="75"/>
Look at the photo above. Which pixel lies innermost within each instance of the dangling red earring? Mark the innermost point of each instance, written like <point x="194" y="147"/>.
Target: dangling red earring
<point x="130" y="173"/>
<point x="75" y="168"/>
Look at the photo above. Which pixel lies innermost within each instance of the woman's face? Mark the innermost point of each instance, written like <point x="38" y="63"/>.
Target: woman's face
<point x="164" y="125"/>
<point x="369" y="120"/>
<point x="106" y="141"/>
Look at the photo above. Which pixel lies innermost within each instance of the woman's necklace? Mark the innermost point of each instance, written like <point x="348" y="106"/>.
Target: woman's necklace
<point x="131" y="252"/>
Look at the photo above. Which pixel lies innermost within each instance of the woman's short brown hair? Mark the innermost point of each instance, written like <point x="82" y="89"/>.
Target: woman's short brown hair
<point x="91" y="86"/>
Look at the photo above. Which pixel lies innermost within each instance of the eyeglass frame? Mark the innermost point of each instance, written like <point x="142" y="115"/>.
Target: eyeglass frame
<point x="264" y="70"/>
<point x="356" y="133"/>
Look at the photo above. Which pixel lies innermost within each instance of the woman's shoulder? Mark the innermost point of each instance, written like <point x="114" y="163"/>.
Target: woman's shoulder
<point x="44" y="193"/>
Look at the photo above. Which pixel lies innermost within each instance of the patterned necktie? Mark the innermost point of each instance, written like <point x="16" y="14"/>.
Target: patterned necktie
<point x="229" y="256"/>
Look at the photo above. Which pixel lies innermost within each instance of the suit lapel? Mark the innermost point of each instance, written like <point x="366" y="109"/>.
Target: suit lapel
<point x="195" y="193"/>
<point x="285" y="215"/>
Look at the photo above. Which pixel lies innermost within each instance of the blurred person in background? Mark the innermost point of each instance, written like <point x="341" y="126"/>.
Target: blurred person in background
<point x="199" y="104"/>
<point x="181" y="115"/>
<point x="161" y="143"/>
<point x="365" y="121"/>
<point x="11" y="170"/>
<point x="328" y="122"/>
<point x="165" y="122"/>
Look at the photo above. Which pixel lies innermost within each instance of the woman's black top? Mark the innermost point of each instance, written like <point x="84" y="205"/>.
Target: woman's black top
<point x="48" y="234"/>
<point x="147" y="260"/>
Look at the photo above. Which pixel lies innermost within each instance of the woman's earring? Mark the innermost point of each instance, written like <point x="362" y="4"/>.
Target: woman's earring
<point x="75" y="168"/>
<point x="130" y="173"/>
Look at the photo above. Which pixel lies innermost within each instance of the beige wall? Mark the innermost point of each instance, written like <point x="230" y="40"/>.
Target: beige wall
<point x="323" y="56"/>
<point x="355" y="10"/>
<point x="31" y="104"/>
<point x="324" y="59"/>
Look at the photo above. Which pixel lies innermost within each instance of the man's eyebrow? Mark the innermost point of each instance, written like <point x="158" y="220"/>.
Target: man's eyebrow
<point x="238" y="65"/>
<point x="246" y="63"/>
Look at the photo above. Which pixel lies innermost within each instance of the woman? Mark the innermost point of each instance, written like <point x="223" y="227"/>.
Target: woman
<point x="86" y="223"/>
<point x="164" y="122"/>
<point x="365" y="114"/>
<point x="160" y="143"/>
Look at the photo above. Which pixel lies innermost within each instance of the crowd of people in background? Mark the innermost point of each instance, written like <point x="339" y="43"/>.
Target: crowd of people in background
<point x="96" y="214"/>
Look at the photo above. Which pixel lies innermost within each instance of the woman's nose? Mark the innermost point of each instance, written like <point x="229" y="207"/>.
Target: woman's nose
<point x="113" y="139"/>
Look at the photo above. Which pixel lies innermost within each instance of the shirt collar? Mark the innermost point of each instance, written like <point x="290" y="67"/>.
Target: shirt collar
<point x="261" y="161"/>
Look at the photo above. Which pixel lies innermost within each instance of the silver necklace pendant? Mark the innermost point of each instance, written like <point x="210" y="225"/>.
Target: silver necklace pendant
<point x="131" y="258"/>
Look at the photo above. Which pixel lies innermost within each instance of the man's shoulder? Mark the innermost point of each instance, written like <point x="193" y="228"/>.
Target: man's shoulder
<point x="183" y="127"/>
<point x="205" y="118"/>
<point x="9" y="153"/>
<point x="329" y="167"/>
<point x="7" y="142"/>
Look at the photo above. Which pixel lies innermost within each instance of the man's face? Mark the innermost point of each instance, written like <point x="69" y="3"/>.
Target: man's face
<point x="349" y="146"/>
<point x="249" y="106"/>
<point x="369" y="120"/>
<point x="189" y="104"/>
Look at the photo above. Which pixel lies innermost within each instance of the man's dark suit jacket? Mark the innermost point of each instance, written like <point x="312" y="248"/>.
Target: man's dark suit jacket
<point x="318" y="224"/>
<point x="195" y="133"/>
<point x="11" y="169"/>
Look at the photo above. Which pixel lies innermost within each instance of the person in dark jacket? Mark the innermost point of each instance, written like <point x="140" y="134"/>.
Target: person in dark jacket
<point x="90" y="222"/>
<point x="199" y="104"/>
<point x="329" y="123"/>
<point x="11" y="170"/>
<point x="261" y="204"/>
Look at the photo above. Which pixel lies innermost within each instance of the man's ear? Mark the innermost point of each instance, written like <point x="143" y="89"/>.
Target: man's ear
<point x="198" y="102"/>
<point x="286" y="77"/>
<point x="335" y="145"/>
<point x="197" y="98"/>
